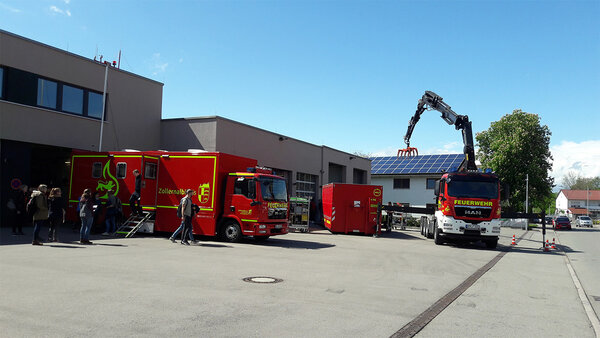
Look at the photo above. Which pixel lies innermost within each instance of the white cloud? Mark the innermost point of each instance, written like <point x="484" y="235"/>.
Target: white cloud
<point x="157" y="64"/>
<point x="60" y="11"/>
<point x="67" y="1"/>
<point x="582" y="158"/>
<point x="9" y="8"/>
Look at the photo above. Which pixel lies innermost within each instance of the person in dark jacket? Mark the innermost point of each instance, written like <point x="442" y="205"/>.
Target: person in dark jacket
<point x="134" y="200"/>
<point x="40" y="217"/>
<point x="20" y="204"/>
<point x="56" y="213"/>
<point x="86" y="212"/>
<point x="111" y="213"/>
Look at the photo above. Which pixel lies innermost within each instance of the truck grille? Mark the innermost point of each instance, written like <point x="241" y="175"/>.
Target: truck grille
<point x="473" y="212"/>
<point x="277" y="213"/>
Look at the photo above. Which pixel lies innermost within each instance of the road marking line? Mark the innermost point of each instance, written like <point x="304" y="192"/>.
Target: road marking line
<point x="587" y="306"/>
<point x="420" y="321"/>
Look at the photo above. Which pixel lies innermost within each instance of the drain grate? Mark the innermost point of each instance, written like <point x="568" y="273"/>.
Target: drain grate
<point x="596" y="298"/>
<point x="263" y="280"/>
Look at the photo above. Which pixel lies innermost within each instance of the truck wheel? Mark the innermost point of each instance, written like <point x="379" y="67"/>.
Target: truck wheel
<point x="437" y="239"/>
<point x="231" y="232"/>
<point x="426" y="230"/>
<point x="422" y="229"/>
<point x="491" y="244"/>
<point x="430" y="229"/>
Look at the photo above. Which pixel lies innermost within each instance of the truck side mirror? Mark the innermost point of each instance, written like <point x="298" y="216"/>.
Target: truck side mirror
<point x="255" y="203"/>
<point x="436" y="189"/>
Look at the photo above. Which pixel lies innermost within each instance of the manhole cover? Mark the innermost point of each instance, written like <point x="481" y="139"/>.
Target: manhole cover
<point x="263" y="280"/>
<point x="596" y="298"/>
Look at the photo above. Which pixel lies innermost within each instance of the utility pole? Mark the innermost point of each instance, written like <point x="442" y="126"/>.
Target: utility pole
<point x="526" y="193"/>
<point x="103" y="105"/>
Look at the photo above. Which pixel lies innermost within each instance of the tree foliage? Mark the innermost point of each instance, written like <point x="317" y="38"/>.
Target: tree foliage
<point x="574" y="181"/>
<point x="515" y="146"/>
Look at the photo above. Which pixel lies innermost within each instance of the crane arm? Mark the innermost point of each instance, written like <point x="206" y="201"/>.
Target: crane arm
<point x="431" y="100"/>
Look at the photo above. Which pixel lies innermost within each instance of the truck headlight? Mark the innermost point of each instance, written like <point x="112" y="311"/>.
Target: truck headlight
<point x="262" y="226"/>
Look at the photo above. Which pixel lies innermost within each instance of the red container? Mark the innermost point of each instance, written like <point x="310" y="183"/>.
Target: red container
<point x="351" y="208"/>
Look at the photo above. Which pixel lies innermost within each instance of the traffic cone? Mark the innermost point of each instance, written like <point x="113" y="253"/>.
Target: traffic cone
<point x="553" y="244"/>
<point x="547" y="246"/>
<point x="513" y="241"/>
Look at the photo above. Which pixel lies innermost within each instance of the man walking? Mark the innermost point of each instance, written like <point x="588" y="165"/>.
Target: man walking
<point x="186" y="215"/>
<point x="134" y="200"/>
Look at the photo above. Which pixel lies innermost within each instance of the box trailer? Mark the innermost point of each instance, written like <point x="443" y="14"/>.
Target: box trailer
<point x="235" y="197"/>
<point x="351" y="208"/>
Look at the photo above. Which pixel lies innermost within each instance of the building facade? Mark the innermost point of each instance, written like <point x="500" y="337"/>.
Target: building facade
<point x="306" y="166"/>
<point x="575" y="203"/>
<point x="410" y="181"/>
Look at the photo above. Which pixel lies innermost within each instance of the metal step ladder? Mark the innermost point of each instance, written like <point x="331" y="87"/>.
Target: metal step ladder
<point x="133" y="224"/>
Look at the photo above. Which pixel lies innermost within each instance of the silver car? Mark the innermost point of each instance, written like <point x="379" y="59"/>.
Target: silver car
<point x="583" y="221"/>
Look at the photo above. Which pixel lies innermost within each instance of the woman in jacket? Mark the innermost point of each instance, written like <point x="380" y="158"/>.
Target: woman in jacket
<point x="40" y="217"/>
<point x="57" y="212"/>
<point x="86" y="212"/>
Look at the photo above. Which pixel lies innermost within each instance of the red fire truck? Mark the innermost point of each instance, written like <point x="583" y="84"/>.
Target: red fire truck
<point x="235" y="197"/>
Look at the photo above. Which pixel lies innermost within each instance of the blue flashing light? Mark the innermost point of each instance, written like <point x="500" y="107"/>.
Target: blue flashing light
<point x="488" y="171"/>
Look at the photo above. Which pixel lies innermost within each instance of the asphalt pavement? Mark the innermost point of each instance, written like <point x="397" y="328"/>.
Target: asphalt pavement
<point x="329" y="285"/>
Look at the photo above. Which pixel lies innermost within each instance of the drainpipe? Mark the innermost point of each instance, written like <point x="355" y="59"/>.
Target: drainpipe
<point x="103" y="106"/>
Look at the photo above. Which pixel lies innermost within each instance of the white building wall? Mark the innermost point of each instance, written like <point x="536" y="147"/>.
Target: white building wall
<point x="562" y="203"/>
<point x="417" y="196"/>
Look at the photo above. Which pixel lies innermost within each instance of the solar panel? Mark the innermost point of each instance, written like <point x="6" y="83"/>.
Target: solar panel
<point x="422" y="164"/>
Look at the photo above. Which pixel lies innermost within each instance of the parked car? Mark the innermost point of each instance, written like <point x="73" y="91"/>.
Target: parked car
<point x="583" y="221"/>
<point x="562" y="223"/>
<point x="549" y="220"/>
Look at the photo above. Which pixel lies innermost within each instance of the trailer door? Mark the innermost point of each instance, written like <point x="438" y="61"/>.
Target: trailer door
<point x="149" y="182"/>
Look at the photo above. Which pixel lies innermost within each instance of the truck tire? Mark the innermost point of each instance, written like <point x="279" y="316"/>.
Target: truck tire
<point x="231" y="231"/>
<point x="437" y="239"/>
<point x="430" y="229"/>
<point x="422" y="229"/>
<point x="491" y="244"/>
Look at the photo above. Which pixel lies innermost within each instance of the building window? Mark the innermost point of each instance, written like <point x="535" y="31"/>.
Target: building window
<point x="94" y="107"/>
<point x="150" y="170"/>
<point x="401" y="183"/>
<point x="46" y="93"/>
<point x="72" y="100"/>
<point x="337" y="173"/>
<point x="97" y="170"/>
<point x="359" y="176"/>
<point x="121" y="170"/>
<point x="306" y="185"/>
<point x="430" y="183"/>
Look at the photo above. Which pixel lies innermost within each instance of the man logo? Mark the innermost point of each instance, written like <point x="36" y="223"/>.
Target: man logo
<point x="377" y="192"/>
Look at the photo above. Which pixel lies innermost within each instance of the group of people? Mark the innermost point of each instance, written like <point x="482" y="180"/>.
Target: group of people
<point x="49" y="210"/>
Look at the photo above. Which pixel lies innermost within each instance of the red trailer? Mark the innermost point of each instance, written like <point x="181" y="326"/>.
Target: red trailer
<point x="235" y="197"/>
<point x="351" y="208"/>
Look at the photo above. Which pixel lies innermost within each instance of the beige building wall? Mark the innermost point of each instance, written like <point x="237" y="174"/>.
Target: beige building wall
<point x="133" y="111"/>
<point x="271" y="149"/>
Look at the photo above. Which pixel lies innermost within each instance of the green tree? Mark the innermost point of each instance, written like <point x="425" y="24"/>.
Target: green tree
<point x="574" y="181"/>
<point x="513" y="147"/>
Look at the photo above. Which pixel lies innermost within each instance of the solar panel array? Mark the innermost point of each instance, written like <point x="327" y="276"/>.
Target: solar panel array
<point x="423" y="164"/>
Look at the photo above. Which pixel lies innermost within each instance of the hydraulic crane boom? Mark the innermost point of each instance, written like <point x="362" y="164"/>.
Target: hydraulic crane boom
<point x="431" y="100"/>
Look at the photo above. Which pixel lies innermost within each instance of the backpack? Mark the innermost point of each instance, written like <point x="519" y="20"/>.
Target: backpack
<point x="32" y="207"/>
<point x="179" y="214"/>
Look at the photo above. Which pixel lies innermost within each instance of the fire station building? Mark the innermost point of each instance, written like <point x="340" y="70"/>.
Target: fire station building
<point x="51" y="102"/>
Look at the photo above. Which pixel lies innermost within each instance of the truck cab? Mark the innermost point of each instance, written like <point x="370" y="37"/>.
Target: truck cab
<point x="468" y="208"/>
<point x="256" y="204"/>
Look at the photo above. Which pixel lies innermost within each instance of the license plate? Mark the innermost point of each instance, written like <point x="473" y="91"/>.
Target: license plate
<point x="472" y="227"/>
<point x="278" y="226"/>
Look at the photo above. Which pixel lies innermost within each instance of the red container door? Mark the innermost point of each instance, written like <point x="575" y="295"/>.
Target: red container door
<point x="149" y="182"/>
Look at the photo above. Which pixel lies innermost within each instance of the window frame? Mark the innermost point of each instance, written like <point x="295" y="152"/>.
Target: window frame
<point x="427" y="180"/>
<point x="119" y="165"/>
<point x="154" y="171"/>
<point x="400" y="184"/>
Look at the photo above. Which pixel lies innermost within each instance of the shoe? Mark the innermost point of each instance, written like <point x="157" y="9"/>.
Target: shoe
<point x="172" y="239"/>
<point x="185" y="243"/>
<point x="105" y="234"/>
<point x="36" y="243"/>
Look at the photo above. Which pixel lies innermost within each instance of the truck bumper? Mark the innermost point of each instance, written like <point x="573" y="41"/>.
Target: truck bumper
<point x="266" y="229"/>
<point x="459" y="229"/>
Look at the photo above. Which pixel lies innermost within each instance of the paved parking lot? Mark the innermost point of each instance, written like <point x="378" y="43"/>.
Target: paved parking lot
<point x="332" y="285"/>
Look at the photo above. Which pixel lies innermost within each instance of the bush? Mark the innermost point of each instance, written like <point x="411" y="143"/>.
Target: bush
<point x="412" y="222"/>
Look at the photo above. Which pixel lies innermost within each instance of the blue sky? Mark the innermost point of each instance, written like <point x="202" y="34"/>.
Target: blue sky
<point x="348" y="74"/>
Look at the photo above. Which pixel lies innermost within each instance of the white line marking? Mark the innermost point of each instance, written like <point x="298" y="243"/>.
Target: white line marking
<point x="589" y="310"/>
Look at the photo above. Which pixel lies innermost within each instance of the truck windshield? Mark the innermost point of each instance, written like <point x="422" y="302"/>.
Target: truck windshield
<point x="273" y="189"/>
<point x="473" y="188"/>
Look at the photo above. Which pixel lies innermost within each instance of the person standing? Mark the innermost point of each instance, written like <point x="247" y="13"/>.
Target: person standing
<point x="111" y="213"/>
<point x="86" y="213"/>
<point x="40" y="217"/>
<point x="134" y="200"/>
<point x="57" y="212"/>
<point x="186" y="216"/>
